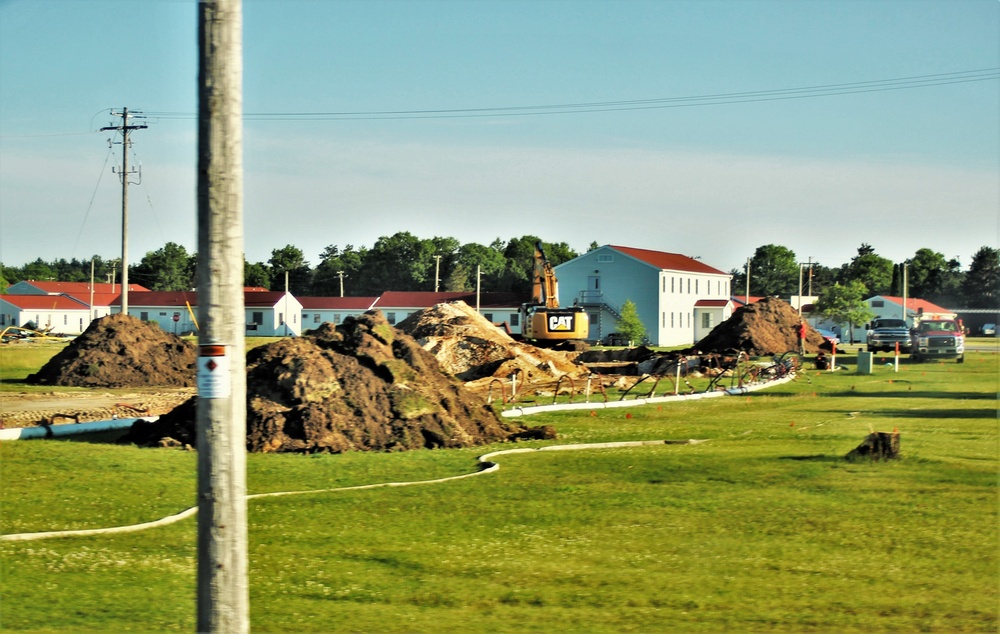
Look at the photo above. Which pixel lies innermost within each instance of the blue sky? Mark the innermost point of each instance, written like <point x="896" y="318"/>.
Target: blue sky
<point x="819" y="171"/>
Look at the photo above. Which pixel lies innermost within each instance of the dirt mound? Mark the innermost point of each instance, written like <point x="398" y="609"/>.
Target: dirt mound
<point x="362" y="385"/>
<point x="769" y="326"/>
<point x="121" y="351"/>
<point x="469" y="347"/>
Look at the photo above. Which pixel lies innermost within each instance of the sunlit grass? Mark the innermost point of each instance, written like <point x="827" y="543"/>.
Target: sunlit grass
<point x="764" y="527"/>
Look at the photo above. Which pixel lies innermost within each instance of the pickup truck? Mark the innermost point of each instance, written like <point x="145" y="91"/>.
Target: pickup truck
<point x="884" y="334"/>
<point x="938" y="339"/>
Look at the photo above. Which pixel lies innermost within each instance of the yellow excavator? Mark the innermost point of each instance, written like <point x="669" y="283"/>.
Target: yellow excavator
<point x="543" y="322"/>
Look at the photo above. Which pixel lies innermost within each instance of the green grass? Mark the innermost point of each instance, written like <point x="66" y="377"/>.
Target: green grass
<point x="764" y="528"/>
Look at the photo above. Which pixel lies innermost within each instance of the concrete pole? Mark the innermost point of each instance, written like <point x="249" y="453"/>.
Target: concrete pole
<point x="124" y="211"/>
<point x="223" y="590"/>
<point x="437" y="271"/>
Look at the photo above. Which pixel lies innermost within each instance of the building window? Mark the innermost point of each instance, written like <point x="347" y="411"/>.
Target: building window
<point x="604" y="258"/>
<point x="488" y="316"/>
<point x="672" y="280"/>
<point x="696" y="287"/>
<point x="316" y="318"/>
<point x="391" y="318"/>
<point x="671" y="320"/>
<point x="144" y="316"/>
<point x="257" y="318"/>
<point x="515" y="320"/>
<point x="878" y="303"/>
<point x="663" y="319"/>
<point x="281" y="319"/>
<point x="336" y="318"/>
<point x="706" y="320"/>
<point x="65" y="319"/>
<point x="689" y="286"/>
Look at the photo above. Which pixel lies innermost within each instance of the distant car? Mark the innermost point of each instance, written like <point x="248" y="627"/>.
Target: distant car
<point x="830" y="336"/>
<point x="990" y="330"/>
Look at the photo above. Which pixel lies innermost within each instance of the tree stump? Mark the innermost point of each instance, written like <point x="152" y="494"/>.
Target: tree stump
<point x="878" y="445"/>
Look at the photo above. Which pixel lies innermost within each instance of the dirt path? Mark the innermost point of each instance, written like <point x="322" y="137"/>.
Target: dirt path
<point x="21" y="409"/>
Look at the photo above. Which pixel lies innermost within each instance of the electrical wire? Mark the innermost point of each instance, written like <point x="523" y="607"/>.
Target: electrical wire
<point x="804" y="92"/>
<point x="92" y="197"/>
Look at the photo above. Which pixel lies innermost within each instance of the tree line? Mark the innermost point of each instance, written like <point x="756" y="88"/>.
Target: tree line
<point x="404" y="262"/>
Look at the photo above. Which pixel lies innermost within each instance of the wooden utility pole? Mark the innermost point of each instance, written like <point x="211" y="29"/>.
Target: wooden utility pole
<point x="223" y="592"/>
<point x="124" y="128"/>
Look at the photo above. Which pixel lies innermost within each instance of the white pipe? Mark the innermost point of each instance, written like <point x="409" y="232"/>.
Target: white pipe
<point x="70" y="429"/>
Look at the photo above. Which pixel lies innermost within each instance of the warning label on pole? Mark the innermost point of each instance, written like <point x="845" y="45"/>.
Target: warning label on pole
<point x="214" y="373"/>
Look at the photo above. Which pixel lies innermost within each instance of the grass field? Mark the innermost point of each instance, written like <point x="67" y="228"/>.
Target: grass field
<point x="763" y="528"/>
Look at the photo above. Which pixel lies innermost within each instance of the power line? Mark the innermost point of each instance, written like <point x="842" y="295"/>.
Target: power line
<point x="803" y="92"/>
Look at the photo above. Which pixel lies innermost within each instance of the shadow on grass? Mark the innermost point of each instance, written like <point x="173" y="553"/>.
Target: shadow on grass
<point x="820" y="457"/>
<point x="919" y="394"/>
<point x="937" y="413"/>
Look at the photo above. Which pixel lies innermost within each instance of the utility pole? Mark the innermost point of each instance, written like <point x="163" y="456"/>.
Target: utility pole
<point x="124" y="128"/>
<point x="341" y="275"/>
<point x="437" y="271"/>
<point x="223" y="597"/>
<point x="810" y="276"/>
<point x="747" y="297"/>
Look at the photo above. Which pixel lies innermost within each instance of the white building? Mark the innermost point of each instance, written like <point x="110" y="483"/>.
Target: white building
<point x="320" y="310"/>
<point x="679" y="299"/>
<point x="57" y="313"/>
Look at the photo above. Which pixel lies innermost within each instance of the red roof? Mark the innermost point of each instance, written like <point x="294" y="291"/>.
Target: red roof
<point x="44" y="302"/>
<point x="668" y="261"/>
<point x="337" y="303"/>
<point x="915" y="304"/>
<point x="182" y="298"/>
<point x="76" y="288"/>
<point x="711" y="303"/>
<point x="744" y="300"/>
<point x="426" y="299"/>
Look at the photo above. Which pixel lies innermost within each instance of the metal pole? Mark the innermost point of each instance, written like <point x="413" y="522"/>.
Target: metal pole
<point x="223" y="593"/>
<point x="341" y="274"/>
<point x="437" y="271"/>
<point x="479" y="274"/>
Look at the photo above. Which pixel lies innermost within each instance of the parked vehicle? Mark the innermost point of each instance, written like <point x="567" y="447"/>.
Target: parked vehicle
<point x="830" y="336"/>
<point x="938" y="339"/>
<point x="884" y="334"/>
<point x="989" y="330"/>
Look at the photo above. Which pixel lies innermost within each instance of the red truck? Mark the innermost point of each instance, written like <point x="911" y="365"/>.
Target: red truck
<point x="938" y="339"/>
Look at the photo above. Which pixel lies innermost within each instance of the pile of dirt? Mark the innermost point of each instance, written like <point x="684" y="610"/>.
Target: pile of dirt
<point x="362" y="385"/>
<point x="471" y="348"/>
<point x="769" y="326"/>
<point x="121" y="351"/>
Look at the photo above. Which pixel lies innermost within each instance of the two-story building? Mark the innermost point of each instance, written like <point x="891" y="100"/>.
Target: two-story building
<point x="679" y="299"/>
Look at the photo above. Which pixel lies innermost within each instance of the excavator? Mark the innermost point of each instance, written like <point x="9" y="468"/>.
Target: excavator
<point x="543" y="322"/>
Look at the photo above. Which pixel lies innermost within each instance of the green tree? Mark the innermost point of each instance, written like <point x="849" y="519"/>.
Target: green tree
<point x="39" y="271"/>
<point x="933" y="277"/>
<point x="871" y="269"/>
<point x="774" y="271"/>
<point x="981" y="285"/>
<point x="333" y="264"/>
<point x="290" y="259"/>
<point x="845" y="304"/>
<point x="168" y="269"/>
<point x="629" y="324"/>
<point x="257" y="274"/>
<point x="472" y="257"/>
